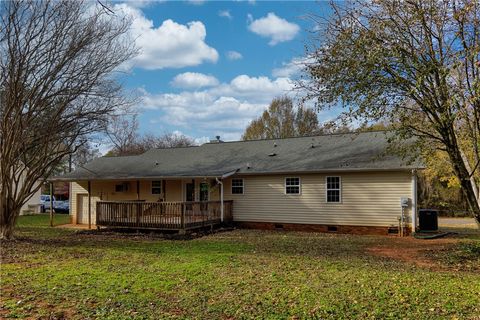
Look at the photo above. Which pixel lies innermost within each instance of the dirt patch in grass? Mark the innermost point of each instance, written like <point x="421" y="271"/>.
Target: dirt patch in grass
<point x="414" y="251"/>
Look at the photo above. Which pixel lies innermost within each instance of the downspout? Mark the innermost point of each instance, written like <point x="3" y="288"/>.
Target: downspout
<point x="414" y="201"/>
<point x="221" y="198"/>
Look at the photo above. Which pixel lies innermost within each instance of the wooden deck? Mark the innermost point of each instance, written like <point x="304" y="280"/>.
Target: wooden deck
<point x="162" y="215"/>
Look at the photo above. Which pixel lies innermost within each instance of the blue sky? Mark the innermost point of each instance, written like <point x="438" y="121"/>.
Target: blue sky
<point x="208" y="68"/>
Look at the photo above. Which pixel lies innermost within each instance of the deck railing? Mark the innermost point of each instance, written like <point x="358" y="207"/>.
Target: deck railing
<point x="162" y="215"/>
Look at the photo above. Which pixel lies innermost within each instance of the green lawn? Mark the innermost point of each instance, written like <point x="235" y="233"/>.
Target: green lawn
<point x="243" y="274"/>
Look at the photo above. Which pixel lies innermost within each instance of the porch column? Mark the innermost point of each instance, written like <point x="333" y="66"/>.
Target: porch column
<point x="221" y="201"/>
<point x="138" y="190"/>
<point x="51" y="204"/>
<point x="89" y="205"/>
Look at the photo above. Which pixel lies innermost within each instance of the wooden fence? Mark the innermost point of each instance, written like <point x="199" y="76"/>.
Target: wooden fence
<point x="162" y="215"/>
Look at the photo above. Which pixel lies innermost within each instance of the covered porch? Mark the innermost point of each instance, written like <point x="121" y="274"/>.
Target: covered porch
<point x="161" y="203"/>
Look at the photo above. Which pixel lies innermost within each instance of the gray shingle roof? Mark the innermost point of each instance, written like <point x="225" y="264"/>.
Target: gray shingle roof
<point x="337" y="152"/>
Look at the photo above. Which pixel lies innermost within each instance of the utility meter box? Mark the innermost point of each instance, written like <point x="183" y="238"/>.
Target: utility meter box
<point x="404" y="202"/>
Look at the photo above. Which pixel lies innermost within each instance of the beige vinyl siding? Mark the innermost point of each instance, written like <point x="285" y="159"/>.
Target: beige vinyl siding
<point x="34" y="201"/>
<point x="368" y="199"/>
<point x="75" y="190"/>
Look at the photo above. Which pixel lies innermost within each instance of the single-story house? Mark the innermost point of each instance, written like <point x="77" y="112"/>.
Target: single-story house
<point x="335" y="183"/>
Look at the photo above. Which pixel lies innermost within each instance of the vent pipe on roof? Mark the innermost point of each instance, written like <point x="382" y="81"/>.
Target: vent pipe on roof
<point x="217" y="140"/>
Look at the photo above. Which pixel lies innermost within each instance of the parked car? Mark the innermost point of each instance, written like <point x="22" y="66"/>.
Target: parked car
<point x="58" y="205"/>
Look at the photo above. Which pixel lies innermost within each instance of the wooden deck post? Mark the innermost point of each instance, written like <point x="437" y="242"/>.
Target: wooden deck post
<point x="89" y="205"/>
<point x="138" y="209"/>
<point x="51" y="204"/>
<point x="182" y="217"/>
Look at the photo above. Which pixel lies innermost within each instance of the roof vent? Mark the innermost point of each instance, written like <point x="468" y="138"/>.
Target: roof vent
<point x="312" y="146"/>
<point x="273" y="154"/>
<point x="217" y="140"/>
<point x="156" y="163"/>
<point x="274" y="144"/>
<point x="344" y="164"/>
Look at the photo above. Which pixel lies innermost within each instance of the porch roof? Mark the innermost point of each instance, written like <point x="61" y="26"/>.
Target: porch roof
<point x="337" y="152"/>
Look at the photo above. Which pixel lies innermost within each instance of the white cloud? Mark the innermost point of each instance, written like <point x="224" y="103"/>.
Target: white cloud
<point x="291" y="68"/>
<point x="225" y="109"/>
<point x="196" y="2"/>
<point x="260" y="89"/>
<point x="171" y="45"/>
<point x="234" y="55"/>
<point x="273" y="27"/>
<point x="194" y="80"/>
<point x="141" y="3"/>
<point x="225" y="14"/>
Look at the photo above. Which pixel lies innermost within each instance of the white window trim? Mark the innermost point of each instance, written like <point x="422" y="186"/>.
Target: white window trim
<point x="340" y="189"/>
<point x="243" y="187"/>
<point x="151" y="187"/>
<point x="299" y="186"/>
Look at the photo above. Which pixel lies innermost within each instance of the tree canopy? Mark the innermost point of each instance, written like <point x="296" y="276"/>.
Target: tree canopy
<point x="57" y="86"/>
<point x="415" y="64"/>
<point x="281" y="120"/>
<point x="123" y="136"/>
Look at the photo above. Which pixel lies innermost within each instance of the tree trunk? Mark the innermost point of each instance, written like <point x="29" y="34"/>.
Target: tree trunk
<point x="8" y="218"/>
<point x="463" y="175"/>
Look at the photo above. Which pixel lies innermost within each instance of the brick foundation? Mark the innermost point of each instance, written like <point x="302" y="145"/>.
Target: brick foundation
<point x="370" y="230"/>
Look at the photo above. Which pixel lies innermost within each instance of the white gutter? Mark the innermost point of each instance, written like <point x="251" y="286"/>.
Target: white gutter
<point x="414" y="200"/>
<point x="219" y="181"/>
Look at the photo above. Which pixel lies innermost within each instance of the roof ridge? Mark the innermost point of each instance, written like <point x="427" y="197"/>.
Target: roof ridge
<point x="297" y="137"/>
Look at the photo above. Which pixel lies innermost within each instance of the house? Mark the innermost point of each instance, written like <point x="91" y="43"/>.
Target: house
<point x="346" y="183"/>
<point x="32" y="204"/>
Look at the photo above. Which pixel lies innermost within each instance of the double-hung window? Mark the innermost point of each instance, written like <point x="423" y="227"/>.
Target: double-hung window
<point x="157" y="187"/>
<point x="334" y="189"/>
<point x="292" y="185"/>
<point x="122" y="187"/>
<point x="237" y="186"/>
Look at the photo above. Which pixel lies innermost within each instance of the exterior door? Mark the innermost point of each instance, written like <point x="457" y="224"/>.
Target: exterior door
<point x="190" y="191"/>
<point x="189" y="195"/>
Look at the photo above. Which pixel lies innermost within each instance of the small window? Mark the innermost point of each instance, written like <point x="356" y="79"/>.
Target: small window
<point x="237" y="186"/>
<point x="292" y="185"/>
<point x="156" y="187"/>
<point x="121" y="187"/>
<point x="334" y="189"/>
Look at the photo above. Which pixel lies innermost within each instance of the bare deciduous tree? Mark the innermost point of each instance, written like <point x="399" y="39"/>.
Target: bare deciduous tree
<point x="122" y="133"/>
<point x="281" y="120"/>
<point x="57" y="85"/>
<point x="413" y="63"/>
<point x="166" y="140"/>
